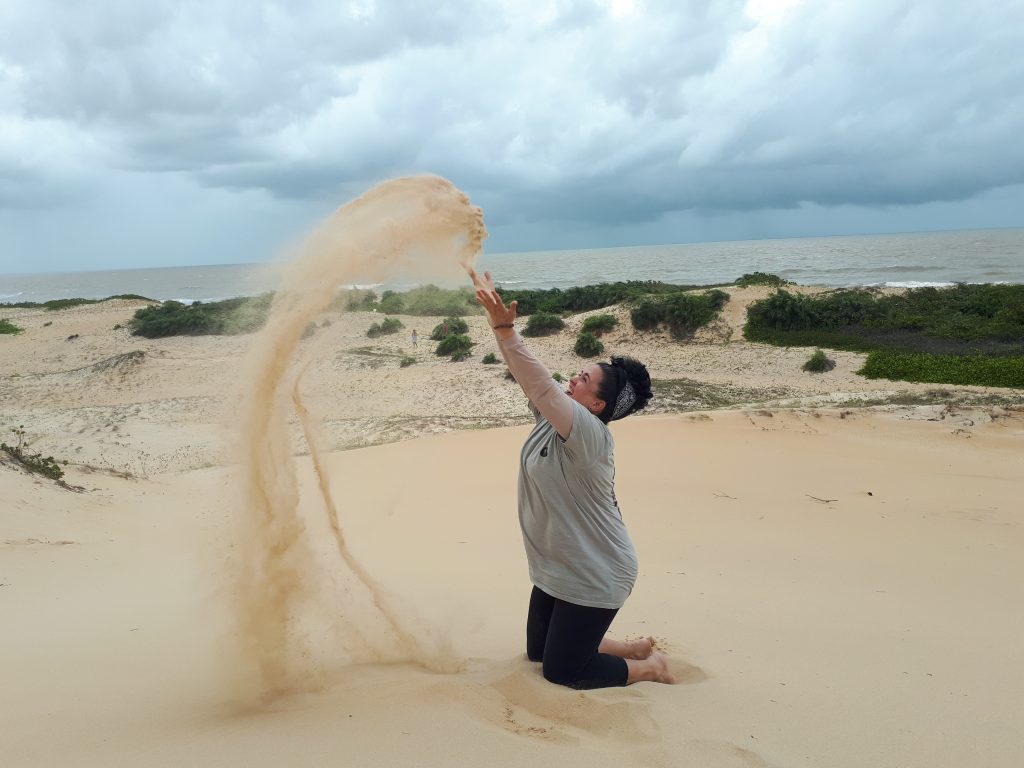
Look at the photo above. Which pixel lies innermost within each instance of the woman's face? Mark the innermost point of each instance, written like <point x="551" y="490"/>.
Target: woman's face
<point x="583" y="388"/>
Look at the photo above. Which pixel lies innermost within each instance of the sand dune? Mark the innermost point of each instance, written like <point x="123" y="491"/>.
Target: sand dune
<point x="834" y="591"/>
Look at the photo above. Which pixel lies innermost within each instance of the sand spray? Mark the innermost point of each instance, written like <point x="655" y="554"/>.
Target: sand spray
<point x="420" y="226"/>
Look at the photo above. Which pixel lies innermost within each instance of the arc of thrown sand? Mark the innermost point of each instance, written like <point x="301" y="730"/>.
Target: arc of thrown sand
<point x="408" y="644"/>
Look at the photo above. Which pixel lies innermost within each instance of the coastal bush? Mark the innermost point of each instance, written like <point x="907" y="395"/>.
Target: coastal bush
<point x="964" y="334"/>
<point x="55" y="304"/>
<point x="817" y="362"/>
<point x="587" y="297"/>
<point x="557" y="377"/>
<point x="543" y="324"/>
<point x="647" y="315"/>
<point x="456" y="345"/>
<point x="599" y="324"/>
<point x="6" y="326"/>
<point x="944" y="369"/>
<point x="431" y="300"/>
<point x="406" y="361"/>
<point x="388" y="326"/>
<point x="391" y="303"/>
<point x="759" y="278"/>
<point x="588" y="345"/>
<point x="35" y="463"/>
<point x="172" y="318"/>
<point x="683" y="313"/>
<point x="359" y="300"/>
<point x="448" y="326"/>
<point x="489" y="359"/>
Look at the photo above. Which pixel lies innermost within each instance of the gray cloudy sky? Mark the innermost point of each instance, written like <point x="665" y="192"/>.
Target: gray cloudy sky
<point x="214" y="131"/>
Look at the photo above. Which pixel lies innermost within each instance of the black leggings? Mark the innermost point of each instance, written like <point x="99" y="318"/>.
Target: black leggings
<point x="565" y="637"/>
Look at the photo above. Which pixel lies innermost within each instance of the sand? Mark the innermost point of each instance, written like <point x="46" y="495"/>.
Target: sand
<point x="836" y="585"/>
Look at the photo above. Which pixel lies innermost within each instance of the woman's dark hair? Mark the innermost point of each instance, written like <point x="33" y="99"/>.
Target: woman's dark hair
<point x="615" y="376"/>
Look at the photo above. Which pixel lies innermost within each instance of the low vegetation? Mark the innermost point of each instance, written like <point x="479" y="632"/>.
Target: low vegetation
<point x="8" y="327"/>
<point x="172" y="318"/>
<point x="449" y="326"/>
<point x="425" y="300"/>
<point x="599" y="324"/>
<point x="966" y="334"/>
<point x="388" y="326"/>
<point x="406" y="361"/>
<point x="681" y="313"/>
<point x="543" y="324"/>
<point x="456" y="345"/>
<point x="818" y="363"/>
<point x="760" y="278"/>
<point x="35" y="463"/>
<point x="55" y="304"/>
<point x="588" y="345"/>
<point x="489" y="359"/>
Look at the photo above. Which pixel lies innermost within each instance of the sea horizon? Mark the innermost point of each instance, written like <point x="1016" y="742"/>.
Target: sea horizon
<point x="931" y="258"/>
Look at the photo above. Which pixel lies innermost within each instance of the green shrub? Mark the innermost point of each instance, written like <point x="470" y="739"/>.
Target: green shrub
<point x="647" y="315"/>
<point x="587" y="297"/>
<point x="588" y="345"/>
<point x="231" y="316"/>
<point x="557" y="377"/>
<point x="759" y="278"/>
<point x="406" y="361"/>
<point x="8" y="327"/>
<point x="454" y="325"/>
<point x="817" y="362"/>
<point x="543" y="324"/>
<point x="389" y="325"/>
<point x="391" y="303"/>
<point x="683" y="313"/>
<point x="55" y="304"/>
<point x="431" y="300"/>
<point x="456" y="345"/>
<point x="489" y="359"/>
<point x="944" y="369"/>
<point x="599" y="324"/>
<point x="784" y="311"/>
<point x="360" y="300"/>
<point x="35" y="463"/>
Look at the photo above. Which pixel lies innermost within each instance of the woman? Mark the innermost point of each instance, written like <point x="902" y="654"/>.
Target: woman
<point x="582" y="561"/>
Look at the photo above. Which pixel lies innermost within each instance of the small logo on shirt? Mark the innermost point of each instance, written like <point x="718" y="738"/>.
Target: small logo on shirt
<point x="544" y="451"/>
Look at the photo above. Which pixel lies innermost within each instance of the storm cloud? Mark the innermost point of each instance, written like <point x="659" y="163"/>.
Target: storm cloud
<point x="564" y="116"/>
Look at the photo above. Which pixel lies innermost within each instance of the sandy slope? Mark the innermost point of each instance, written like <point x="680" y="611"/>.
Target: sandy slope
<point x="879" y="628"/>
<point x="836" y="587"/>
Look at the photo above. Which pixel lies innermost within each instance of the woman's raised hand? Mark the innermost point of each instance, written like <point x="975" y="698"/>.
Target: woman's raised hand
<point x="488" y="298"/>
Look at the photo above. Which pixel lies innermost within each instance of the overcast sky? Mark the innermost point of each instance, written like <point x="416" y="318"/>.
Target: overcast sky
<point x="214" y="131"/>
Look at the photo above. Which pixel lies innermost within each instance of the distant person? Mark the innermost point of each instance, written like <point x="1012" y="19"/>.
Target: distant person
<point x="581" y="558"/>
<point x="415" y="338"/>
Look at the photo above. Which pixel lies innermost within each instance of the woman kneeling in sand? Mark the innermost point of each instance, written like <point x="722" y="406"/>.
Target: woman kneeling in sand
<point x="582" y="562"/>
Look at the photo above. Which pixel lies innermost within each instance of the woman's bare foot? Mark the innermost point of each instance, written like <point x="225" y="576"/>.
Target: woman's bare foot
<point x="627" y="649"/>
<point x="652" y="669"/>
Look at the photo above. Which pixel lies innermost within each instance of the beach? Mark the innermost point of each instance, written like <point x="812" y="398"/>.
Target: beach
<point x="832" y="563"/>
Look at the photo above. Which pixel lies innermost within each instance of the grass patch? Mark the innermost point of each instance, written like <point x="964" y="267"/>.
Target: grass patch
<point x="449" y="326"/>
<point x="228" y="317"/>
<point x="489" y="359"/>
<point x="979" y="370"/>
<point x="543" y="324"/>
<point x="966" y="334"/>
<point x="57" y="304"/>
<point x="599" y="324"/>
<point x="406" y="361"/>
<point x="388" y="326"/>
<point x="818" y="363"/>
<point x="455" y="345"/>
<point x="681" y="313"/>
<point x="760" y="278"/>
<point x="35" y="463"/>
<point x="6" y="326"/>
<point x="588" y="345"/>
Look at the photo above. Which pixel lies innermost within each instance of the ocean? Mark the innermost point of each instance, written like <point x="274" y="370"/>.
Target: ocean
<point x="909" y="260"/>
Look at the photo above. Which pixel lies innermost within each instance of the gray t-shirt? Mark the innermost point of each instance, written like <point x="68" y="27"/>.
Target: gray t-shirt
<point x="577" y="545"/>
